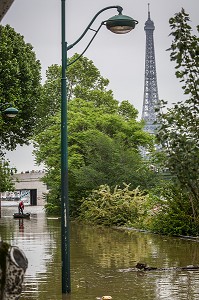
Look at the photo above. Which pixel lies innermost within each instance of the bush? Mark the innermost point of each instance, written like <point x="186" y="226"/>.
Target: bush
<point x="174" y="215"/>
<point x="53" y="207"/>
<point x="118" y="207"/>
<point x="52" y="210"/>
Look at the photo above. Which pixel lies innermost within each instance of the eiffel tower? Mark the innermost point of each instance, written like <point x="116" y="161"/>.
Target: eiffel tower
<point x="151" y="99"/>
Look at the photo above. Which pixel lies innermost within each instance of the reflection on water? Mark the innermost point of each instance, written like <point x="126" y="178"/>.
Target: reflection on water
<point x="101" y="261"/>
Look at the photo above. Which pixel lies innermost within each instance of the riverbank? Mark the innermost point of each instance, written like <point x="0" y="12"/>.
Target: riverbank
<point x="196" y="238"/>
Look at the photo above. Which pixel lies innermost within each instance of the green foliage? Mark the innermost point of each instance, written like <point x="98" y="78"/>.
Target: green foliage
<point x="103" y="149"/>
<point x="52" y="209"/>
<point x="5" y="175"/>
<point x="50" y="101"/>
<point x="184" y="51"/>
<point x="179" y="134"/>
<point x="118" y="207"/>
<point x="103" y="137"/>
<point x="172" y="212"/>
<point x="100" y="159"/>
<point x="20" y="75"/>
<point x="83" y="81"/>
<point x="127" y="110"/>
<point x="175" y="208"/>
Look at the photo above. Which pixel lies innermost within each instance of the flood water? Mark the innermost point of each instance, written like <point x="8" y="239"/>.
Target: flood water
<point x="102" y="261"/>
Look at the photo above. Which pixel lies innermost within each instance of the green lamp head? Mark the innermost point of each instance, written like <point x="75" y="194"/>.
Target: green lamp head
<point x="10" y="112"/>
<point x="120" y="24"/>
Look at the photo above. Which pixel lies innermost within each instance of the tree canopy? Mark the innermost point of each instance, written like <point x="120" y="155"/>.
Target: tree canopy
<point x="5" y="172"/>
<point x="103" y="136"/>
<point x="179" y="134"/>
<point x="83" y="81"/>
<point x="20" y="75"/>
<point x="20" y="87"/>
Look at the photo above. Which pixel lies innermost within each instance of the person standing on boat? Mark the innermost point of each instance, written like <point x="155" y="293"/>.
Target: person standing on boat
<point x="21" y="207"/>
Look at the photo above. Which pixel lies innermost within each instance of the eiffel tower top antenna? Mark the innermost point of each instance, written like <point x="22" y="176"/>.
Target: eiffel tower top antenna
<point x="149" y="11"/>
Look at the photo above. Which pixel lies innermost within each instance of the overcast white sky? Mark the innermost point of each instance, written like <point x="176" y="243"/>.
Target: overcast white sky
<point x="120" y="58"/>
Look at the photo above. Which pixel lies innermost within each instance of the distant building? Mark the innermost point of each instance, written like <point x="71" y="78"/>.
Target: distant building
<point x="31" y="181"/>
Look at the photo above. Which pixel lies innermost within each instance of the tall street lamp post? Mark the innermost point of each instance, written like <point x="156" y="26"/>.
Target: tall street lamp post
<point x="118" y="24"/>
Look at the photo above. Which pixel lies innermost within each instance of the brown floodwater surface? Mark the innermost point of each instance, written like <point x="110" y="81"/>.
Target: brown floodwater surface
<point x="102" y="260"/>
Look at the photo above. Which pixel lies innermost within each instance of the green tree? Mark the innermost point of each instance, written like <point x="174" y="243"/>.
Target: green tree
<point x="172" y="213"/>
<point x="179" y="134"/>
<point x="83" y="81"/>
<point x="83" y="78"/>
<point x="20" y="74"/>
<point x="5" y="175"/>
<point x="104" y="139"/>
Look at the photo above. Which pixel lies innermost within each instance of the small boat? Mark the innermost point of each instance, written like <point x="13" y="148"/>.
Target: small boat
<point x="21" y="216"/>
